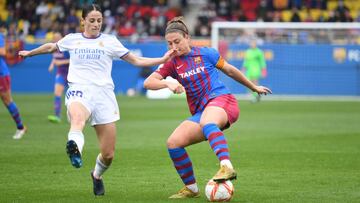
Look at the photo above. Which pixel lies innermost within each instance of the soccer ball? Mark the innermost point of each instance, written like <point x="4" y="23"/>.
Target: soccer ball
<point x="219" y="192"/>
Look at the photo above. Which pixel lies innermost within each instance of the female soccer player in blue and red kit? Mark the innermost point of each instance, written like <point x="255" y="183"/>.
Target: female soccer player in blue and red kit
<point x="5" y="90"/>
<point x="211" y="104"/>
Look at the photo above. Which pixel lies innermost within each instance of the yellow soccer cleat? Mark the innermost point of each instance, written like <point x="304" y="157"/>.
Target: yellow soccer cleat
<point x="225" y="173"/>
<point x="185" y="193"/>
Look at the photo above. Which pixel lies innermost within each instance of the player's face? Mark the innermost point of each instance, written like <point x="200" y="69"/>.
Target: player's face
<point x="178" y="42"/>
<point x="253" y="44"/>
<point x="92" y="23"/>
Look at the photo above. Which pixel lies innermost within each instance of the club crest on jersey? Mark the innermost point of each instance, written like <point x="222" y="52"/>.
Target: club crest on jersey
<point x="197" y="60"/>
<point x="101" y="44"/>
<point x="192" y="72"/>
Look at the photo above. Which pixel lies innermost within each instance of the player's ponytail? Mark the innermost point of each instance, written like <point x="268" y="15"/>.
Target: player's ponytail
<point x="177" y="24"/>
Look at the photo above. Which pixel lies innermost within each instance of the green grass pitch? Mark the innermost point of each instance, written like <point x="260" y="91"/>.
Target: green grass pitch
<point x="283" y="152"/>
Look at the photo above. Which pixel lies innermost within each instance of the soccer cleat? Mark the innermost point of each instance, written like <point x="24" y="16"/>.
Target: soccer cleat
<point x="225" y="173"/>
<point x="74" y="154"/>
<point x="98" y="185"/>
<point x="54" y="119"/>
<point x="19" y="133"/>
<point x="185" y="193"/>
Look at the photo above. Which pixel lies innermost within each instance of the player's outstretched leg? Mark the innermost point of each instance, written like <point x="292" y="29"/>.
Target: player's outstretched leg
<point x="74" y="154"/>
<point x="184" y="168"/>
<point x="74" y="147"/>
<point x="98" y="185"/>
<point x="219" y="145"/>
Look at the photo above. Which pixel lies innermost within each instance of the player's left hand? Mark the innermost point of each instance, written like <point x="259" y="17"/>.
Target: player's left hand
<point x="169" y="55"/>
<point x="263" y="90"/>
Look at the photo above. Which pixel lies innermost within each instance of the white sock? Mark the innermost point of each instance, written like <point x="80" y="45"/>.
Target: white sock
<point x="193" y="187"/>
<point x="226" y="162"/>
<point x="78" y="137"/>
<point x="100" y="168"/>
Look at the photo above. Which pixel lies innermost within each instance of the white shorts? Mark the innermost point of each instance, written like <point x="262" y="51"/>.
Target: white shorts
<point x="99" y="101"/>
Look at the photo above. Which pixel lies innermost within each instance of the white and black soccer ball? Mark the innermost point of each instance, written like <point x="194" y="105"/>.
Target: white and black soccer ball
<point x="219" y="191"/>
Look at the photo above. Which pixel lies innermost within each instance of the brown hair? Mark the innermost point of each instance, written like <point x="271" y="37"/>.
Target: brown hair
<point x="90" y="7"/>
<point x="177" y="25"/>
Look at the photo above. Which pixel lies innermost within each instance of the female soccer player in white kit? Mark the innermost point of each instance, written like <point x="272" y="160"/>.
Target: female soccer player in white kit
<point x="91" y="89"/>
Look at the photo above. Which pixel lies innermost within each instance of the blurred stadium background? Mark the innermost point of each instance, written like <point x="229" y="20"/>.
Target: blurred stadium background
<point x="305" y="62"/>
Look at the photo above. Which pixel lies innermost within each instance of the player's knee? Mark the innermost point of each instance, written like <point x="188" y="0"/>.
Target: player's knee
<point x="172" y="143"/>
<point x="77" y="120"/>
<point x="108" y="156"/>
<point x="6" y="99"/>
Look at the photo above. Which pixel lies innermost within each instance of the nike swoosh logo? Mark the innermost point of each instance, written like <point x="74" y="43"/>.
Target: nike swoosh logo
<point x="178" y="67"/>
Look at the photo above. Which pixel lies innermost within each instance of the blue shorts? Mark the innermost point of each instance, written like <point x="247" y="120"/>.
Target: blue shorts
<point x="61" y="80"/>
<point x="196" y="117"/>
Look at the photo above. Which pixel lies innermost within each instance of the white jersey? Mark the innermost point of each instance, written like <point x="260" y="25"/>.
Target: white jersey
<point x="91" y="58"/>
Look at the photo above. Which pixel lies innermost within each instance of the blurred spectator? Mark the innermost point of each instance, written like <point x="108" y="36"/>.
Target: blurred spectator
<point x="295" y="15"/>
<point x="36" y="20"/>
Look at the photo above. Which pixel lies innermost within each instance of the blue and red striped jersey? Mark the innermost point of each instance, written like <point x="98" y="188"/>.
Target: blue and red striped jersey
<point x="198" y="74"/>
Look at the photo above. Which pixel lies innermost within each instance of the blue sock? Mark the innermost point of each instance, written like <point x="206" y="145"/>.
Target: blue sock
<point x="217" y="141"/>
<point x="183" y="165"/>
<point x="13" y="110"/>
<point x="57" y="106"/>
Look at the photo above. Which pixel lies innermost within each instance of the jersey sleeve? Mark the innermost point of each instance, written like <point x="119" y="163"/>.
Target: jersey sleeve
<point x="65" y="44"/>
<point x="166" y="69"/>
<point x="117" y="48"/>
<point x="215" y="58"/>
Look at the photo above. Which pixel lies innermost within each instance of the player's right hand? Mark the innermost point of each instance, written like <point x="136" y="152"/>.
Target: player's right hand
<point x="176" y="88"/>
<point x="24" y="53"/>
<point x="263" y="90"/>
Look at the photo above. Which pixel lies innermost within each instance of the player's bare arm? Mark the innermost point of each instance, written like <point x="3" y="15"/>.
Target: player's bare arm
<point x="43" y="49"/>
<point x="155" y="82"/>
<point x="145" y="62"/>
<point x="61" y="62"/>
<point x="51" y="66"/>
<point x="237" y="75"/>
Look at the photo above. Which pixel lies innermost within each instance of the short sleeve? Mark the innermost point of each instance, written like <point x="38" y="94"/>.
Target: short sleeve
<point x="213" y="56"/>
<point x="166" y="69"/>
<point x="65" y="43"/>
<point x="117" y="48"/>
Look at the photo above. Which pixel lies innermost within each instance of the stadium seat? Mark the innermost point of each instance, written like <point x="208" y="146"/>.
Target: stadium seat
<point x="286" y="15"/>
